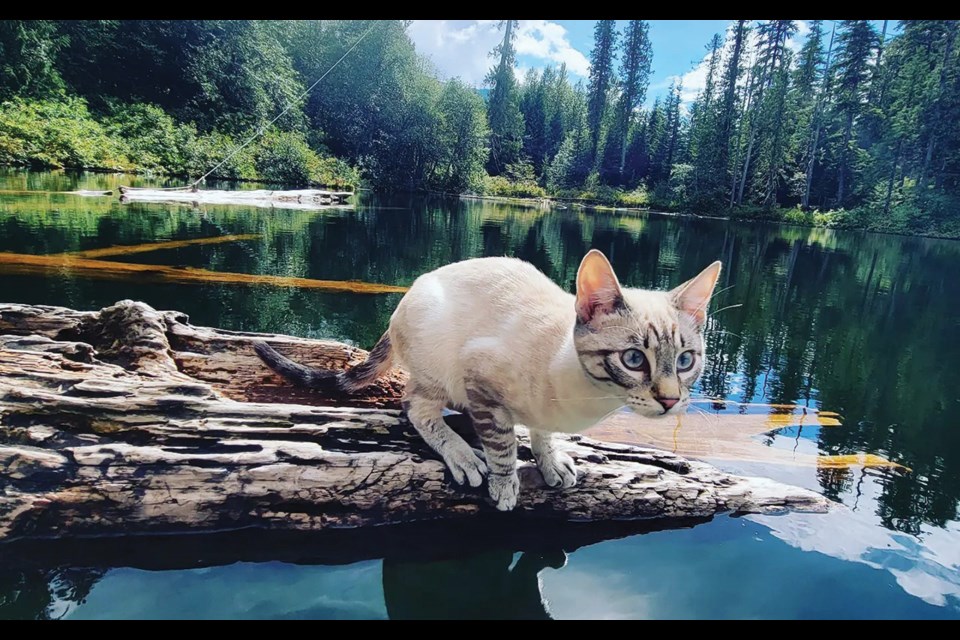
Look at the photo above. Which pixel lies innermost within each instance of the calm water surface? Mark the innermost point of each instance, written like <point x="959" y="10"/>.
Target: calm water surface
<point x="861" y="324"/>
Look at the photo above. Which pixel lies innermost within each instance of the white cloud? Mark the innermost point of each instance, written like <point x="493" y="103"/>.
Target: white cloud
<point x="462" y="47"/>
<point x="548" y="41"/>
<point x="695" y="80"/>
<point x="795" y="41"/>
<point x="457" y="47"/>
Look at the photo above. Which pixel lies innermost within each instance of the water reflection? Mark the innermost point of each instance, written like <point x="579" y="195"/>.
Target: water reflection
<point x="462" y="569"/>
<point x="773" y="567"/>
<point x="860" y="324"/>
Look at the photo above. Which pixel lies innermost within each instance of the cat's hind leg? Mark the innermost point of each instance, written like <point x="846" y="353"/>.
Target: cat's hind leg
<point x="424" y="406"/>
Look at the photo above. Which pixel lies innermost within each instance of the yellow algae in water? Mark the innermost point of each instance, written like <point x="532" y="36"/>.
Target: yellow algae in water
<point x="730" y="434"/>
<point x="859" y="460"/>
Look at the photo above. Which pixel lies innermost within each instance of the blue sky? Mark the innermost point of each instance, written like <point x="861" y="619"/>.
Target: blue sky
<point x="461" y="48"/>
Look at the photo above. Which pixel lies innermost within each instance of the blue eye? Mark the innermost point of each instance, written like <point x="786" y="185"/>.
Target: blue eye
<point x="685" y="361"/>
<point x="633" y="359"/>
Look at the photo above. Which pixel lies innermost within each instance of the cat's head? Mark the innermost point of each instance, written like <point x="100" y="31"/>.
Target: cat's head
<point x="644" y="346"/>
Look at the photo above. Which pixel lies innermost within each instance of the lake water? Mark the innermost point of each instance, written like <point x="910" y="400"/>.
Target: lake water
<point x="864" y="325"/>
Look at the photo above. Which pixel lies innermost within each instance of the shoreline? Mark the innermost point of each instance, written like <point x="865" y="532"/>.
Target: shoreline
<point x="552" y="202"/>
<point x="548" y="202"/>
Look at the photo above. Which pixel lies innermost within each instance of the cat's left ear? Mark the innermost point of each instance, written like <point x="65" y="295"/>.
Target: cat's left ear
<point x="598" y="290"/>
<point x="693" y="296"/>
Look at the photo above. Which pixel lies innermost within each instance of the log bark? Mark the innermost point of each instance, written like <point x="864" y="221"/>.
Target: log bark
<point x="133" y="421"/>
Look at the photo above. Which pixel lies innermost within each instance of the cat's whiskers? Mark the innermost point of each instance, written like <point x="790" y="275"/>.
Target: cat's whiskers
<point x="730" y="333"/>
<point x="583" y="398"/>
<point x="610" y="413"/>
<point x="702" y="411"/>
<point x="716" y="293"/>
<point x="731" y="306"/>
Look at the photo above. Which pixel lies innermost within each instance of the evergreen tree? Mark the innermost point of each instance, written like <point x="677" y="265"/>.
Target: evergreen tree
<point x="534" y="96"/>
<point x="503" y="111"/>
<point x="571" y="164"/>
<point x="764" y="111"/>
<point x="601" y="76"/>
<point x="727" y="121"/>
<point x="705" y="139"/>
<point x="804" y="101"/>
<point x="636" y="59"/>
<point x="855" y="43"/>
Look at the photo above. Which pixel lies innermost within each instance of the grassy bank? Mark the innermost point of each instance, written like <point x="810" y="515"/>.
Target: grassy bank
<point x="142" y="138"/>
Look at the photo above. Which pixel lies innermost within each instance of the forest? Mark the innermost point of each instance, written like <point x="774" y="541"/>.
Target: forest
<point x="857" y="128"/>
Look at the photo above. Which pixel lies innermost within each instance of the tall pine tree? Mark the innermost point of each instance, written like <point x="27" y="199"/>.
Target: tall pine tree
<point x="503" y="111"/>
<point x="601" y="75"/>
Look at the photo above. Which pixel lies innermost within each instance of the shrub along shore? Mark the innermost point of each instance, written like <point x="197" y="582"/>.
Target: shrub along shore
<point x="141" y="138"/>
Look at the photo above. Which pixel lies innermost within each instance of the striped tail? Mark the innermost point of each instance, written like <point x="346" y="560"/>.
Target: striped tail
<point x="328" y="380"/>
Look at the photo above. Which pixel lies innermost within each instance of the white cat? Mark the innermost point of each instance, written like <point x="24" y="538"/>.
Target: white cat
<point x="496" y="338"/>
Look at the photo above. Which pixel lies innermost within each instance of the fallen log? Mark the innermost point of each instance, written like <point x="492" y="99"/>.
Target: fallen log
<point x="130" y="420"/>
<point x="297" y="199"/>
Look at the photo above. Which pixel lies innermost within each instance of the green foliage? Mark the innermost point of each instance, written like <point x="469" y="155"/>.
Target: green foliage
<point x="142" y="137"/>
<point x="461" y="140"/>
<point x="518" y="181"/>
<point x="152" y="137"/>
<point x="210" y="149"/>
<point x="28" y="55"/>
<point x="637" y="56"/>
<point x="56" y="133"/>
<point x="284" y="157"/>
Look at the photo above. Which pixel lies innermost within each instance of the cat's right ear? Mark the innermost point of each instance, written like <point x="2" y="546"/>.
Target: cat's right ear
<point x="598" y="290"/>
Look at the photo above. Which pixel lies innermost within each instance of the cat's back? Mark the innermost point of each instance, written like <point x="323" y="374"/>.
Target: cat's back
<point x="493" y="304"/>
<point x="485" y="281"/>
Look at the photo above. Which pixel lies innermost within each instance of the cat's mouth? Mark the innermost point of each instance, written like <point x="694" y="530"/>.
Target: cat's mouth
<point x="649" y="408"/>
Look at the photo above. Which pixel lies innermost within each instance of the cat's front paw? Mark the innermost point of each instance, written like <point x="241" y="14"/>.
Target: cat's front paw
<point x="558" y="469"/>
<point x="465" y="465"/>
<point x="504" y="490"/>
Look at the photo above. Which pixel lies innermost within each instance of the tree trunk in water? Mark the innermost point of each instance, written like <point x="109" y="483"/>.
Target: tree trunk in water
<point x="129" y="421"/>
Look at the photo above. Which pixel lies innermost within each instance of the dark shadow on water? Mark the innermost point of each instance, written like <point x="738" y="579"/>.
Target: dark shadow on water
<point x="484" y="586"/>
<point x="456" y="570"/>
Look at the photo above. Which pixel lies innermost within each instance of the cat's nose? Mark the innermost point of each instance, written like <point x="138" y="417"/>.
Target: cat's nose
<point x="667" y="403"/>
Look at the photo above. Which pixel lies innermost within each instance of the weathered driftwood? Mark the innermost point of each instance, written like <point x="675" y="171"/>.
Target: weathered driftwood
<point x="299" y="199"/>
<point x="131" y="420"/>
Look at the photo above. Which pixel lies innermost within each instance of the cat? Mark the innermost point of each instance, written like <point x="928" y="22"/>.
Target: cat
<point x="498" y="339"/>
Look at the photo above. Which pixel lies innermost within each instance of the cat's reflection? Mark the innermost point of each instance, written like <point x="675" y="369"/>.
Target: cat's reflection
<point x="488" y="585"/>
